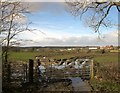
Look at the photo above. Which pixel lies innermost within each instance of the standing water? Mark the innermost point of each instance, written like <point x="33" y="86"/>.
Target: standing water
<point x="79" y="85"/>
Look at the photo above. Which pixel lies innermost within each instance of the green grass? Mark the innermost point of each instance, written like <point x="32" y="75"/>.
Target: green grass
<point x="22" y="56"/>
<point x="106" y="86"/>
<point x="25" y="56"/>
<point x="109" y="57"/>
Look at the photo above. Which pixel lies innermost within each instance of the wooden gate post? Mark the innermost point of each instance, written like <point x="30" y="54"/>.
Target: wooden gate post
<point x="25" y="71"/>
<point x="31" y="63"/>
<point x="92" y="69"/>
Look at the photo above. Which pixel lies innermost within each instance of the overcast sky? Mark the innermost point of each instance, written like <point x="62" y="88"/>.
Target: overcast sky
<point x="57" y="27"/>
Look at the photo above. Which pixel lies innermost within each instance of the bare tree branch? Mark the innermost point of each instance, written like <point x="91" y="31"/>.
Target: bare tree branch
<point x="118" y="8"/>
<point x="11" y="12"/>
<point x="99" y="11"/>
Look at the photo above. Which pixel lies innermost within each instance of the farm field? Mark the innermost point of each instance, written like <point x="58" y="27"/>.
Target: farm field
<point x="105" y="65"/>
<point x="53" y="46"/>
<point x="102" y="58"/>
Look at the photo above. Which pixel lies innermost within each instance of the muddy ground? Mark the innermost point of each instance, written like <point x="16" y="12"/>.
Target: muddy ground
<point x="54" y="85"/>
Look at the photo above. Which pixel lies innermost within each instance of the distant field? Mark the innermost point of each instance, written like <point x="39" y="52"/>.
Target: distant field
<point x="24" y="56"/>
<point x="108" y="57"/>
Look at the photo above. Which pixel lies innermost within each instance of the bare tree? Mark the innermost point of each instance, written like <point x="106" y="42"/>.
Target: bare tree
<point x="12" y="22"/>
<point x="98" y="11"/>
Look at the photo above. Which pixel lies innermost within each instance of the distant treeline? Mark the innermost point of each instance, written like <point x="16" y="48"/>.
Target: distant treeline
<point x="60" y="48"/>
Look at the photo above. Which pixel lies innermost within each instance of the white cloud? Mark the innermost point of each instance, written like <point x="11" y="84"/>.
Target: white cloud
<point x="20" y="18"/>
<point x="57" y="39"/>
<point x="111" y="38"/>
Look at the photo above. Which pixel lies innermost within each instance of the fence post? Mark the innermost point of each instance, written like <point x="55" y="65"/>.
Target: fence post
<point x="31" y="62"/>
<point x="25" y="72"/>
<point x="92" y="69"/>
